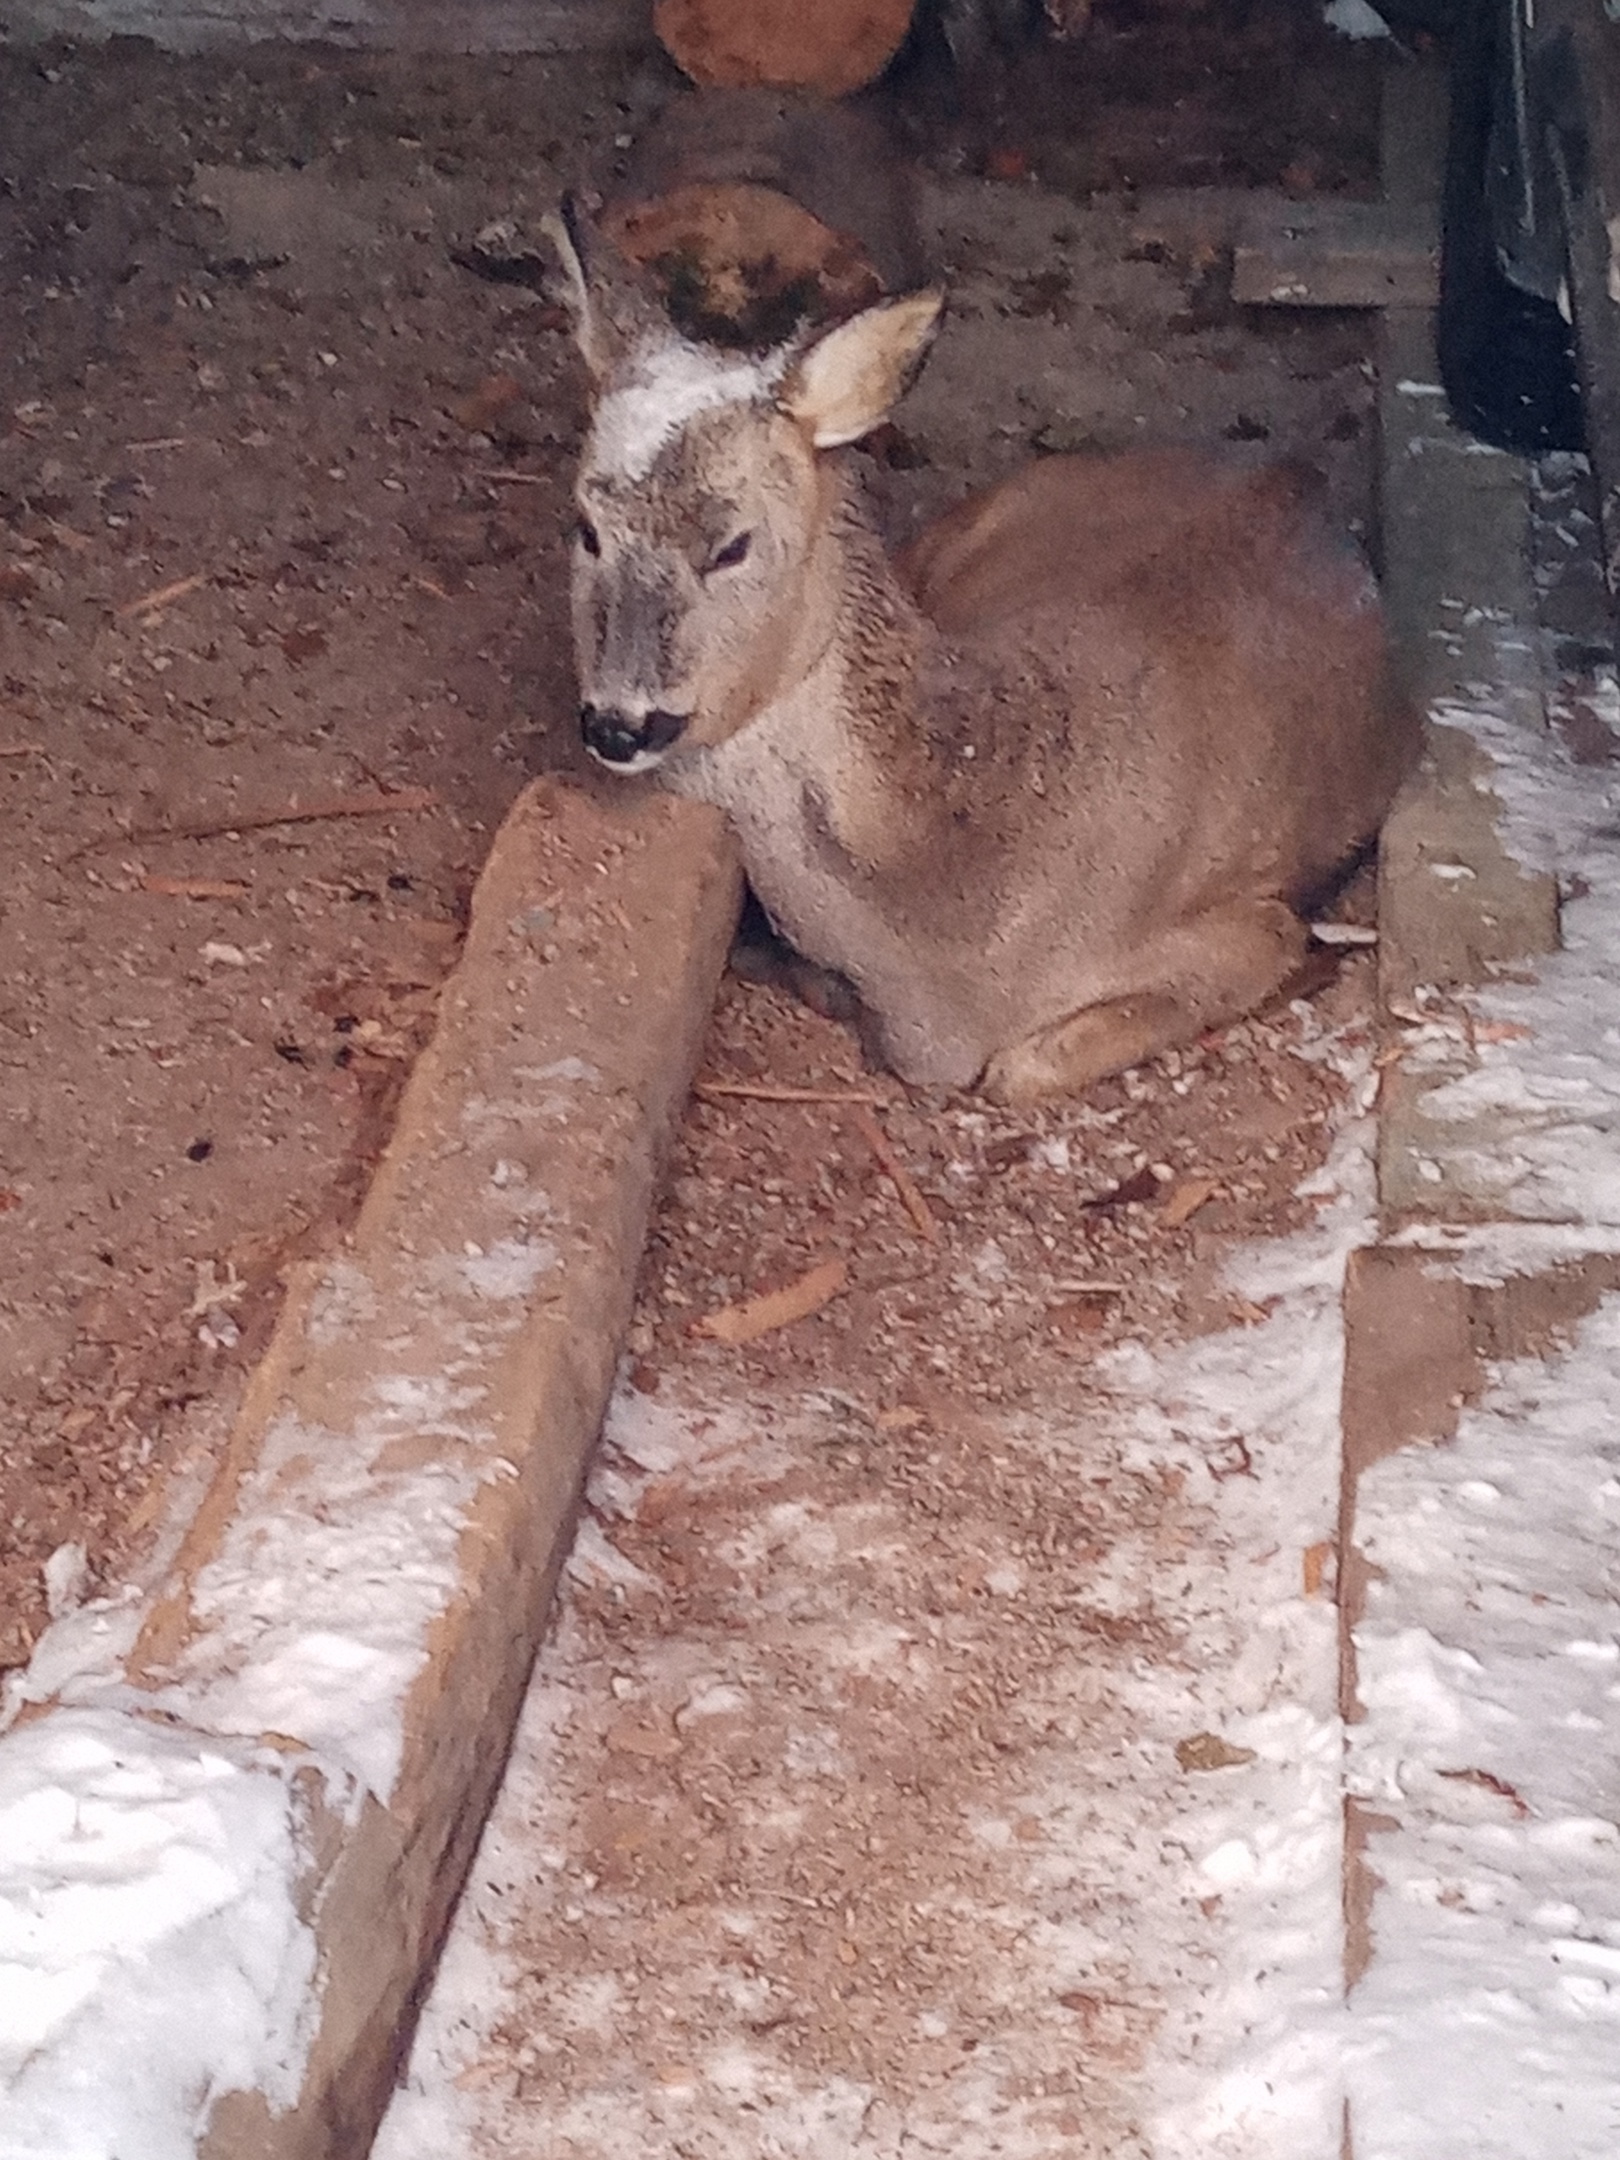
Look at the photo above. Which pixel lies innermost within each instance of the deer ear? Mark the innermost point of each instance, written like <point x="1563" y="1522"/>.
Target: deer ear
<point x="844" y="384"/>
<point x="609" y="309"/>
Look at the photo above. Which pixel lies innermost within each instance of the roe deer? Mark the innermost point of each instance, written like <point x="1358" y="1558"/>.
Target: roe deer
<point x="1048" y="788"/>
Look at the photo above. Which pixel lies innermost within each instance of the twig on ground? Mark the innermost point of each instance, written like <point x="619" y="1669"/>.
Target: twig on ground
<point x="897" y="1174"/>
<point x="366" y="802"/>
<point x="153" y="602"/>
<point x="761" y="1091"/>
<point x="195" y="888"/>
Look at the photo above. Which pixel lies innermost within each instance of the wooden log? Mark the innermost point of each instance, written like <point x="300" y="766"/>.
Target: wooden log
<point x="833" y="46"/>
<point x="1326" y="253"/>
<point x="740" y="265"/>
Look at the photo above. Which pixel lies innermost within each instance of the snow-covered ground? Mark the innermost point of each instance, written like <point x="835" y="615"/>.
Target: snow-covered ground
<point x="1488" y="2022"/>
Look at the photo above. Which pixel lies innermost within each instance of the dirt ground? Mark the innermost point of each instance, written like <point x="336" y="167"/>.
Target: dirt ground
<point x="283" y="484"/>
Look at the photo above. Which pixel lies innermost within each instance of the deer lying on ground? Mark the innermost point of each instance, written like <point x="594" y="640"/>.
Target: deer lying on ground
<point x="1049" y="788"/>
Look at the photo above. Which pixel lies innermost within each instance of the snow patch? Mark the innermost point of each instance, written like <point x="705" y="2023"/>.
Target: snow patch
<point x="1545" y="1071"/>
<point x="151" y="1955"/>
<point x="1489" y="2018"/>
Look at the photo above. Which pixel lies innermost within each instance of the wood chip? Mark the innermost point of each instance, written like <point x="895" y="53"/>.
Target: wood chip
<point x="153" y="603"/>
<point x="1139" y="1186"/>
<point x="775" y="1308"/>
<point x="1208" y="1751"/>
<point x="195" y="888"/>
<point x="648" y="1742"/>
<point x="897" y="1174"/>
<point x="76" y="543"/>
<point x="1314" y="1566"/>
<point x="1343" y="933"/>
<point x="1079" y="1316"/>
<point x="1488" y="1781"/>
<point x="761" y="1091"/>
<point x="1186" y="1198"/>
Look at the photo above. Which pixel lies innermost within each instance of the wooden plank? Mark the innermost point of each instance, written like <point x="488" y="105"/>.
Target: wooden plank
<point x="1453" y="905"/>
<point x="1336" y="254"/>
<point x="463" y="26"/>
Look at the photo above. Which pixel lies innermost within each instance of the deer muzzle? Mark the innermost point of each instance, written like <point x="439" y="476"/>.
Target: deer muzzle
<point x="629" y="743"/>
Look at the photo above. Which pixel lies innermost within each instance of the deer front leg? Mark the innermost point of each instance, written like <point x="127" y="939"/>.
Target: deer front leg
<point x="1198" y="976"/>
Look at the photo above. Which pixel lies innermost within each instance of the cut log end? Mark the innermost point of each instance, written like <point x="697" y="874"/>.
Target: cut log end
<point x="738" y="265"/>
<point x="833" y="46"/>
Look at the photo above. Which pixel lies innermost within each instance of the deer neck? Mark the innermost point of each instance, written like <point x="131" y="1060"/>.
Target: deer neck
<point x="829" y="731"/>
<point x="846" y="689"/>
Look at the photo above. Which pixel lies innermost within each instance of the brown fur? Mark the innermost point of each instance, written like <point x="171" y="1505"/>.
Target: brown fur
<point x="1048" y="790"/>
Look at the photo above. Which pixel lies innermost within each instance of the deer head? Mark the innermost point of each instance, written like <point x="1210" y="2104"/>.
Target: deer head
<point x="704" y="508"/>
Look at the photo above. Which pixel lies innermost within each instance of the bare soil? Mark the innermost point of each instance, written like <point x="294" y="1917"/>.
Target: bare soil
<point x="1037" y="1240"/>
<point x="283" y="484"/>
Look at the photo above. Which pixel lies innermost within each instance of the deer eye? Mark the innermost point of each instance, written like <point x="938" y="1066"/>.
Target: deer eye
<point x="734" y="552"/>
<point x="588" y="536"/>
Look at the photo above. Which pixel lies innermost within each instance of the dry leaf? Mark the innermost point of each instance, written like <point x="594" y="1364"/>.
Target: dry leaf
<point x="1315" y="1566"/>
<point x="775" y="1308"/>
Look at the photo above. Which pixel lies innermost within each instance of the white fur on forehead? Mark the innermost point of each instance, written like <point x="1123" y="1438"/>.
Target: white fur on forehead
<point x="665" y="385"/>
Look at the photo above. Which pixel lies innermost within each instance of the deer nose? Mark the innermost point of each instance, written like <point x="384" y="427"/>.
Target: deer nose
<point x="618" y="740"/>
